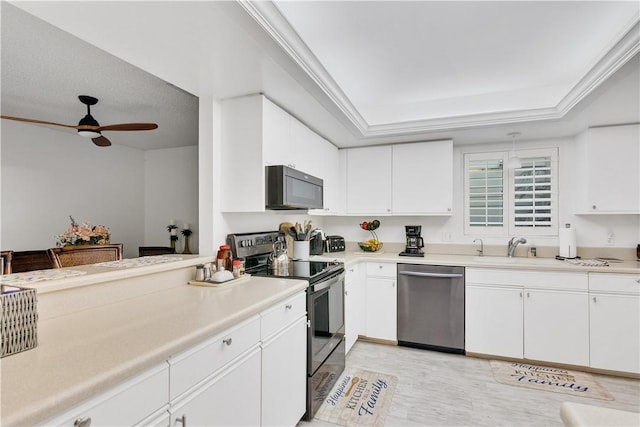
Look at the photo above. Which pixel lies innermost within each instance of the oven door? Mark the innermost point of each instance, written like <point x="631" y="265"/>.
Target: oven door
<point x="326" y="319"/>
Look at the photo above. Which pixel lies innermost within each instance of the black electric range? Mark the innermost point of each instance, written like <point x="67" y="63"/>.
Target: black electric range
<point x="325" y="309"/>
<point x="313" y="271"/>
<point x="255" y="248"/>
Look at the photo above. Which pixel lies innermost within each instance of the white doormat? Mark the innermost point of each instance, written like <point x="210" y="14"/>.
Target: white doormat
<point x="359" y="398"/>
<point x="557" y="380"/>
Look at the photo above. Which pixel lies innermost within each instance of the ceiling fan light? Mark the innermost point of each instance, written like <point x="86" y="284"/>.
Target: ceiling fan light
<point x="88" y="133"/>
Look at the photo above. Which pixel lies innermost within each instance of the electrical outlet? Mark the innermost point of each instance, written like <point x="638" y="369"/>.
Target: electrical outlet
<point x="611" y="239"/>
<point x="447" y="236"/>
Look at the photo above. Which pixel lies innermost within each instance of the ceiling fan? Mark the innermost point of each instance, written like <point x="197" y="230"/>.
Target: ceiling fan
<point x="89" y="127"/>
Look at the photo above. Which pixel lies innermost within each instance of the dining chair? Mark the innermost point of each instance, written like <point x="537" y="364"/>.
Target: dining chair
<point x="31" y="260"/>
<point x="6" y="257"/>
<point x="155" y="250"/>
<point x="71" y="256"/>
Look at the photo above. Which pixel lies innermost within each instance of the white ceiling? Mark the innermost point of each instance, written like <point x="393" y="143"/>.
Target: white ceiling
<point x="415" y="61"/>
<point x="358" y="73"/>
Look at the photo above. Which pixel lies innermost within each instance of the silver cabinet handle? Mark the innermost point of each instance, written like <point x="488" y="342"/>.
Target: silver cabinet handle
<point x="594" y="299"/>
<point x="520" y="294"/>
<point x="638" y="281"/>
<point x="82" y="422"/>
<point x="288" y="307"/>
<point x="346" y="292"/>
<point x="182" y="420"/>
<point x="227" y="341"/>
<point x="379" y="266"/>
<point x="528" y="295"/>
<point x="393" y="284"/>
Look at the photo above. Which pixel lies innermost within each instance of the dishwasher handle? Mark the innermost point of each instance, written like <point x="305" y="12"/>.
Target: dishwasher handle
<point x="418" y="274"/>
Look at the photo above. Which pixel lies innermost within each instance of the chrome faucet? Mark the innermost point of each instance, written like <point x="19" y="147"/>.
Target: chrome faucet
<point x="481" y="250"/>
<point x="513" y="244"/>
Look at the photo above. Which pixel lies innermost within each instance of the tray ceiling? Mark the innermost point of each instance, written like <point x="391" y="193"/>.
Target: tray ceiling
<point x="358" y="73"/>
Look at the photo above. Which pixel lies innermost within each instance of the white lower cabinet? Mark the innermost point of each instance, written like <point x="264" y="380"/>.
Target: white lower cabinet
<point x="353" y="306"/>
<point x="528" y="314"/>
<point x="129" y="403"/>
<point x="228" y="398"/>
<point x="556" y="326"/>
<point x="253" y="373"/>
<point x="284" y="363"/>
<point x="381" y="296"/>
<point x="494" y="321"/>
<point x="614" y="320"/>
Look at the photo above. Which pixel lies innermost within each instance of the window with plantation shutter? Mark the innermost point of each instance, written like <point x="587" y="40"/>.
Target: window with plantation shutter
<point x="486" y="193"/>
<point x="501" y="201"/>
<point x="532" y="193"/>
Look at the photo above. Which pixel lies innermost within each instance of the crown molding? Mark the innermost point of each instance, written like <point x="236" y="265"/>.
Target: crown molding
<point x="268" y="16"/>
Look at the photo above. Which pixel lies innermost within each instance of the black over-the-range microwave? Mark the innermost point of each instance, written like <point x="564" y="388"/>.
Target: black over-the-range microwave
<point x="288" y="188"/>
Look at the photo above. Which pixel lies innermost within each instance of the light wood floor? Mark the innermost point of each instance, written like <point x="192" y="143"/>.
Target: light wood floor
<point x="438" y="389"/>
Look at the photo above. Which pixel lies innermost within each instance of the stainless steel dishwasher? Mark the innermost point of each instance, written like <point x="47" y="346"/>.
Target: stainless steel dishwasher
<point x="431" y="307"/>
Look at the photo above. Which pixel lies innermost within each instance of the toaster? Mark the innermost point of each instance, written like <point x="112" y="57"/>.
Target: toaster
<point x="335" y="244"/>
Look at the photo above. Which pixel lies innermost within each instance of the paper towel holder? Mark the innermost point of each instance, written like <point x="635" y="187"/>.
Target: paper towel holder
<point x="567" y="243"/>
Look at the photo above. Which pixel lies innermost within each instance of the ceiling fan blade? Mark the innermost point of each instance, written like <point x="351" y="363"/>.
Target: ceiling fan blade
<point x="129" y="126"/>
<point x="41" y="122"/>
<point x="101" y="141"/>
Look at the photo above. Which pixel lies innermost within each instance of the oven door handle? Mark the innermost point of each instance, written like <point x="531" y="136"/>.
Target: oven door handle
<point x="418" y="274"/>
<point x="317" y="287"/>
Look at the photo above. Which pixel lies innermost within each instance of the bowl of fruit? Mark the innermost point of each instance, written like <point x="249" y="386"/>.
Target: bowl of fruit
<point x="371" y="245"/>
<point x="374" y="244"/>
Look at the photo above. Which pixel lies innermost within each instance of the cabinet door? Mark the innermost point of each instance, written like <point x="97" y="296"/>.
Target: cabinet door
<point x="242" y="134"/>
<point x="284" y="376"/>
<point x="369" y="180"/>
<point x="423" y="178"/>
<point x="353" y="307"/>
<point x="556" y="326"/>
<point x="615" y="332"/>
<point x="277" y="145"/>
<point x="231" y="398"/>
<point x="493" y="321"/>
<point x="125" y="404"/>
<point x="612" y="174"/>
<point x="381" y="308"/>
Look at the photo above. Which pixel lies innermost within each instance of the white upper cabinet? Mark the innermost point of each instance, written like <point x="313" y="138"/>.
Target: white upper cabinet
<point x="277" y="145"/>
<point x="369" y="180"/>
<point x="260" y="133"/>
<point x="422" y="179"/>
<point x="242" y="138"/>
<point x="403" y="179"/>
<point x="609" y="170"/>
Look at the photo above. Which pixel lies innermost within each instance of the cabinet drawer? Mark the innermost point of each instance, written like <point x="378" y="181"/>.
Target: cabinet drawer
<point x="528" y="278"/>
<point x="382" y="269"/>
<point x="125" y="404"/>
<point x="607" y="282"/>
<point x="188" y="368"/>
<point x="282" y="314"/>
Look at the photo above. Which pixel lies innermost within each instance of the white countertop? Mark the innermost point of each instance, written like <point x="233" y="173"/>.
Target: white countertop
<point x="85" y="351"/>
<point x="351" y="257"/>
<point x="577" y="414"/>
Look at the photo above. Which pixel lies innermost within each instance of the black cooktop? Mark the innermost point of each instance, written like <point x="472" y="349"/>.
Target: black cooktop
<point x="313" y="271"/>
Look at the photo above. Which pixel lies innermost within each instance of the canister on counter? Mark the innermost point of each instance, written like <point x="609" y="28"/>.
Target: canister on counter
<point x="224" y="258"/>
<point x="237" y="268"/>
<point x="200" y="273"/>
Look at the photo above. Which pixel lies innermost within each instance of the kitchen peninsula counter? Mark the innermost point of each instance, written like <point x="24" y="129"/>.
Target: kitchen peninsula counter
<point x="101" y="328"/>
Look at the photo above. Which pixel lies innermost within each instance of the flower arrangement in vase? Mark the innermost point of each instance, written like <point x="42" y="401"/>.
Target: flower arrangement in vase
<point x="84" y="234"/>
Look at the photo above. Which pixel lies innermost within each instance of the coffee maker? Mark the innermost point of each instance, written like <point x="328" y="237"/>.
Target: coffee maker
<point x="414" y="241"/>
